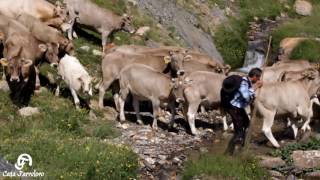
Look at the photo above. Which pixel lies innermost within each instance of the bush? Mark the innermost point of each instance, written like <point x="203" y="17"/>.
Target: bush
<point x="224" y="167"/>
<point x="309" y="50"/>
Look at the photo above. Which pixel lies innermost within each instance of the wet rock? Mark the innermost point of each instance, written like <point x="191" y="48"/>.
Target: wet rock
<point x="4" y="86"/>
<point x="85" y="48"/>
<point x="6" y="166"/>
<point x="97" y="52"/>
<point x="312" y="175"/>
<point x="271" y="162"/>
<point x="276" y="174"/>
<point x="303" y="7"/>
<point x="143" y="30"/>
<point x="28" y="111"/>
<point x="306" y="159"/>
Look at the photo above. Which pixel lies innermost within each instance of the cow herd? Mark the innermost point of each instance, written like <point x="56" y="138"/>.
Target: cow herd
<point x="31" y="31"/>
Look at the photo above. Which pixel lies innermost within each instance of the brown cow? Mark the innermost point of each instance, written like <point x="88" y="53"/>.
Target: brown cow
<point x="101" y="20"/>
<point x="145" y="83"/>
<point x="41" y="9"/>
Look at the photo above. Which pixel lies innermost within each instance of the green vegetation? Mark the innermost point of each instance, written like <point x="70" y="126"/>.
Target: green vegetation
<point x="309" y="50"/>
<point x="63" y="141"/>
<point x="231" y="39"/>
<point x="301" y="27"/>
<point x="285" y="153"/>
<point x="224" y="167"/>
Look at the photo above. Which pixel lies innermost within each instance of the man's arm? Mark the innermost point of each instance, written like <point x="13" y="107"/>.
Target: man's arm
<point x="246" y="92"/>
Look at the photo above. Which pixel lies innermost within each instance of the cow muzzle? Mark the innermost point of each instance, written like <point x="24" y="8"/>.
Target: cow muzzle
<point x="180" y="72"/>
<point x="180" y="100"/>
<point x="14" y="78"/>
<point x="54" y="65"/>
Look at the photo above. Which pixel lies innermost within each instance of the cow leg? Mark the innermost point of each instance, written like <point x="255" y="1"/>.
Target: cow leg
<point x="225" y="124"/>
<point x="135" y="104"/>
<point x="266" y="127"/>
<point x="192" y="110"/>
<point x="295" y="130"/>
<point x="173" y="114"/>
<point x="57" y="92"/>
<point x="156" y="110"/>
<point x="116" y="101"/>
<point x="102" y="90"/>
<point x="37" y="79"/>
<point x="3" y="74"/>
<point x="122" y="98"/>
<point x="75" y="98"/>
<point x="104" y="37"/>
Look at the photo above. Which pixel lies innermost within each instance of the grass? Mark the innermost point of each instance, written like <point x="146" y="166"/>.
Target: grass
<point x="285" y="153"/>
<point x="309" y="50"/>
<point x="63" y="141"/>
<point x="224" y="167"/>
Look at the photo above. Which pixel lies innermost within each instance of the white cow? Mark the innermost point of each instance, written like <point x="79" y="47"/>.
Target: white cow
<point x="75" y="76"/>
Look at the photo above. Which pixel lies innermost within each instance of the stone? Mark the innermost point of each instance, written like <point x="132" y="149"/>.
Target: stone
<point x="303" y="7"/>
<point x="4" y="86"/>
<point x="312" y="175"/>
<point x="276" y="174"/>
<point x="28" y="111"/>
<point x="97" y="52"/>
<point x="306" y="159"/>
<point x="142" y="30"/>
<point x="92" y="116"/>
<point x="271" y="162"/>
<point x="132" y="2"/>
<point x="85" y="48"/>
<point x="110" y="113"/>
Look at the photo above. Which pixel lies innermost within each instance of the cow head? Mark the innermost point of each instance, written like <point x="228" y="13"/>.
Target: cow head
<point x="126" y="24"/>
<point x="66" y="46"/>
<point x="16" y="68"/>
<point x="312" y="81"/>
<point x="51" y="52"/>
<point x="177" y="59"/>
<point x="86" y="84"/>
<point x="177" y="89"/>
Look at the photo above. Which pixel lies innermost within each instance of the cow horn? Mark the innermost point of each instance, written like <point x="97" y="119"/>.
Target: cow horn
<point x="187" y="58"/>
<point x="4" y="62"/>
<point x="27" y="62"/>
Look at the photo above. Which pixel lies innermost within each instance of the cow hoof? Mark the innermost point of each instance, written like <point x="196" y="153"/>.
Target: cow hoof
<point x="154" y="127"/>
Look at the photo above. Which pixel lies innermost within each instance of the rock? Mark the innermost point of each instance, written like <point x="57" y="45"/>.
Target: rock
<point x="92" y="116"/>
<point x="303" y="7"/>
<point x="306" y="159"/>
<point x="312" y="175"/>
<point x="132" y="2"/>
<point x="276" y="174"/>
<point x="97" y="52"/>
<point x="287" y="45"/>
<point x="142" y="30"/>
<point x="110" y="113"/>
<point x="4" y="86"/>
<point x="203" y="150"/>
<point x="271" y="162"/>
<point x="85" y="48"/>
<point x="291" y="177"/>
<point x="28" y="111"/>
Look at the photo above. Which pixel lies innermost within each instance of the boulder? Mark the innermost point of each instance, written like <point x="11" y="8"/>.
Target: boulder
<point x="4" y="86"/>
<point x="142" y="30"/>
<point x="271" y="162"/>
<point x="97" y="52"/>
<point x="85" y="48"/>
<point x="276" y="174"/>
<point x="303" y="7"/>
<point x="28" y="111"/>
<point x="312" y="175"/>
<point x="306" y="159"/>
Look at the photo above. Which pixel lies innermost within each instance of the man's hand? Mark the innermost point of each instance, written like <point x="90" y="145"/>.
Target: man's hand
<point x="258" y="85"/>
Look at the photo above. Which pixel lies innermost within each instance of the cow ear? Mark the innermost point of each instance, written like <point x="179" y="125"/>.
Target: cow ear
<point x="167" y="59"/>
<point x="4" y="62"/>
<point x="187" y="58"/>
<point x="43" y="47"/>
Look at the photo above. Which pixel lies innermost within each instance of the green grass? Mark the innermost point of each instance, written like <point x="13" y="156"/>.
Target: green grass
<point x="63" y="142"/>
<point x="309" y="50"/>
<point x="224" y="167"/>
<point x="285" y="152"/>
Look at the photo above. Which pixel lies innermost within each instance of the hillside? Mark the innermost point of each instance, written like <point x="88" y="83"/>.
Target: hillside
<point x="67" y="143"/>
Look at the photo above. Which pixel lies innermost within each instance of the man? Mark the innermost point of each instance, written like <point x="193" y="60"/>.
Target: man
<point x="236" y="94"/>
